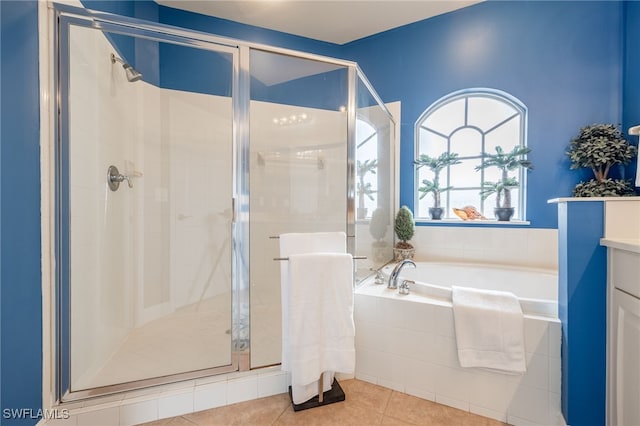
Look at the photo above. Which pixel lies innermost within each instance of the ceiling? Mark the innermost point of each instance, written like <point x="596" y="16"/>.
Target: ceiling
<point x="334" y="21"/>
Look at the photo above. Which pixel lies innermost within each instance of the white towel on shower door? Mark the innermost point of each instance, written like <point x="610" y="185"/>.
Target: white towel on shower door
<point x="489" y="330"/>
<point x="321" y="327"/>
<point x="300" y="243"/>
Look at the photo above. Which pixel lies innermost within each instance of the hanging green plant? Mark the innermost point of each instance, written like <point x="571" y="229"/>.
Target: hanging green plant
<point x="600" y="147"/>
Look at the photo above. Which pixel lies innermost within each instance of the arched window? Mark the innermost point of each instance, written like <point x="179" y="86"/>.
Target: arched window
<point x="470" y="123"/>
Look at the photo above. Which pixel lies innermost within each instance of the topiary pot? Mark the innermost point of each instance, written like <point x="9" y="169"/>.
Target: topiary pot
<point x="435" y="213"/>
<point x="402" y="254"/>
<point x="503" y="214"/>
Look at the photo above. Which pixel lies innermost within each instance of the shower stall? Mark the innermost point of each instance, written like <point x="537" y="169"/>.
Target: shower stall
<point x="179" y="157"/>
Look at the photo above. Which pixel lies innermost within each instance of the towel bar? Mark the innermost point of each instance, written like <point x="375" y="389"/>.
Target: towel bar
<point x="354" y="258"/>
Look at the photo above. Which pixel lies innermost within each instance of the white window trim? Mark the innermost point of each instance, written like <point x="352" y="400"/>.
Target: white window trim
<point x="522" y="175"/>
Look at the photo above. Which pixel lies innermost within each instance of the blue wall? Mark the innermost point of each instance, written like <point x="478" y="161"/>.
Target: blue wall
<point x="562" y="59"/>
<point x="20" y="282"/>
<point x="582" y="309"/>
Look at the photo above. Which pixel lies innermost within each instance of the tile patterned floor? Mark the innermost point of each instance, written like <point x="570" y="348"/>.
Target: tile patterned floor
<point x="366" y="404"/>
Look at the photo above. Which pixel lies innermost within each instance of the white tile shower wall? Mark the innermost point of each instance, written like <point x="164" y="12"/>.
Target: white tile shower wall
<point x="534" y="248"/>
<point x="197" y="135"/>
<point x="179" y="144"/>
<point x="99" y="217"/>
<point x="410" y="346"/>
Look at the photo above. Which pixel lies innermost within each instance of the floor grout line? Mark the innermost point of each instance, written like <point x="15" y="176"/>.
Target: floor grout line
<point x="386" y="406"/>
<point x="284" y="410"/>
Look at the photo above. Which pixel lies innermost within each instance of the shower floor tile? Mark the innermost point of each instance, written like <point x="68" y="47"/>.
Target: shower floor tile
<point x="365" y="404"/>
<point x="194" y="337"/>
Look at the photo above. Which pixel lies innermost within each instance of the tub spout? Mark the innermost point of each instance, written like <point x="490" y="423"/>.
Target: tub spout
<point x="393" y="278"/>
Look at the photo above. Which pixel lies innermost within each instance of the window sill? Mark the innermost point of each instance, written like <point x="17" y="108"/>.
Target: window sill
<point x="472" y="222"/>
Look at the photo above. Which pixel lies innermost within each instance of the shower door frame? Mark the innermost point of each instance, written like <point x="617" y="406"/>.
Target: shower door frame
<point x="67" y="17"/>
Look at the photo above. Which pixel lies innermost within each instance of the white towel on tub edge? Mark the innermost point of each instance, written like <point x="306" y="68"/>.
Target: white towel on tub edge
<point x="489" y="329"/>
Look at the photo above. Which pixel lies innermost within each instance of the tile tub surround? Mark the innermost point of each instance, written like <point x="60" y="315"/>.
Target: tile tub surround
<point x="407" y="343"/>
<point x="530" y="247"/>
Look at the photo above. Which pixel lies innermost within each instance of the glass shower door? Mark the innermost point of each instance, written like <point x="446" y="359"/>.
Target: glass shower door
<point x="146" y="214"/>
<point x="298" y="162"/>
<point x="374" y="180"/>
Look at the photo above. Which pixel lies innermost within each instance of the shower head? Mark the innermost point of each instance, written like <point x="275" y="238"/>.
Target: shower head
<point x="131" y="73"/>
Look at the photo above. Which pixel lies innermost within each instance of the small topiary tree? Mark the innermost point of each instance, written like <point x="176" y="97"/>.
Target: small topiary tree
<point x="404" y="227"/>
<point x="599" y="147"/>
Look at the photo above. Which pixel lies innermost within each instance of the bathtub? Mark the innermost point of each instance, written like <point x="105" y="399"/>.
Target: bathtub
<point x="536" y="289"/>
<point x="407" y="342"/>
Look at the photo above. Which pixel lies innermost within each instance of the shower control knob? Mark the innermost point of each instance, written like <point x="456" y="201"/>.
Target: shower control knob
<point x="114" y="178"/>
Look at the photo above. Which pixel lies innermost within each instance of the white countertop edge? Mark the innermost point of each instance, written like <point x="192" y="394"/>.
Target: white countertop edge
<point x="621" y="244"/>
<point x="572" y="199"/>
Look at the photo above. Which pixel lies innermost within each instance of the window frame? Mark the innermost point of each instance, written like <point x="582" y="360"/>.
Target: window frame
<point x="465" y="94"/>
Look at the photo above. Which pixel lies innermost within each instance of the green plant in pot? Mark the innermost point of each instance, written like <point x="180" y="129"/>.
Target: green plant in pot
<point x="436" y="165"/>
<point x="599" y="147"/>
<point x="506" y="162"/>
<point x="365" y="189"/>
<point x="404" y="227"/>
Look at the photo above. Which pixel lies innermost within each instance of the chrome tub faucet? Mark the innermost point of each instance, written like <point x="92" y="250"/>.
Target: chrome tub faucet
<point x="393" y="278"/>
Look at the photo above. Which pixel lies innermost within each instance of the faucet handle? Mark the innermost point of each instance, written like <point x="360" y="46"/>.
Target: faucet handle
<point x="379" y="277"/>
<point x="404" y="287"/>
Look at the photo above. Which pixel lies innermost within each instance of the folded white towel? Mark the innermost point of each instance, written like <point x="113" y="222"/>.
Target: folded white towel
<point x="489" y="330"/>
<point x="301" y="243"/>
<point x="321" y="327"/>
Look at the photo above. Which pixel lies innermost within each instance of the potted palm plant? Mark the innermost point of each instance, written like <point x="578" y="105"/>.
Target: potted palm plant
<point x="436" y="165"/>
<point x="599" y="147"/>
<point x="505" y="162"/>
<point x="365" y="189"/>
<point x="404" y="227"/>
